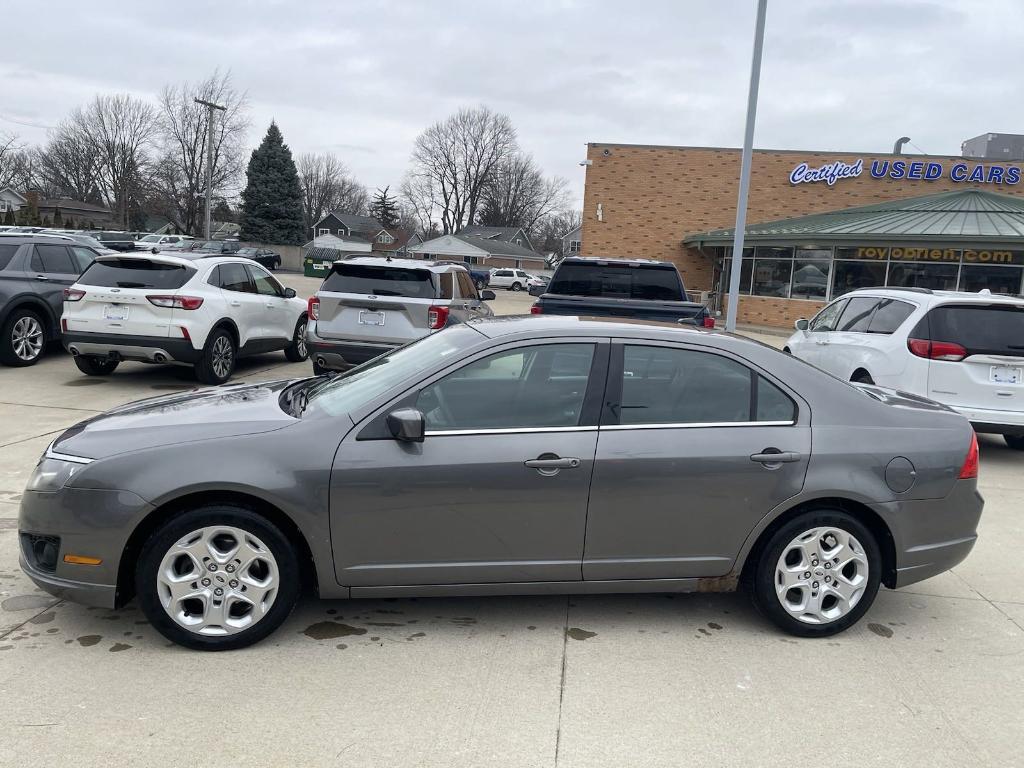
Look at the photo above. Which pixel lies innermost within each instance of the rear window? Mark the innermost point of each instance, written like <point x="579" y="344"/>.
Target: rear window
<point x="981" y="329"/>
<point x="615" y="282"/>
<point x="135" y="273"/>
<point x="380" y="281"/>
<point x="7" y="251"/>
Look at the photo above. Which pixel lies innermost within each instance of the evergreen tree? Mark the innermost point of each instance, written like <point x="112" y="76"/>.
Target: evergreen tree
<point x="70" y="224"/>
<point x="58" y="219"/>
<point x="384" y="209"/>
<point x="46" y="222"/>
<point x="272" y="198"/>
<point x="9" y="218"/>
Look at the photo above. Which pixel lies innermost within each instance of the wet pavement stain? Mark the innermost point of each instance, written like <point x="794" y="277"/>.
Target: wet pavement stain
<point x="463" y="621"/>
<point x="714" y="625"/>
<point x="341" y="646"/>
<point x="880" y="629"/>
<point x="579" y="634"/>
<point x="381" y="610"/>
<point x="6" y="647"/>
<point x="415" y="635"/>
<point x="383" y="624"/>
<point x="328" y="630"/>
<point x="703" y="631"/>
<point x="531" y="627"/>
<point x="43" y="618"/>
<point x="374" y="639"/>
<point x="118" y="647"/>
<point x="52" y="630"/>
<point x="89" y="640"/>
<point x="26" y="602"/>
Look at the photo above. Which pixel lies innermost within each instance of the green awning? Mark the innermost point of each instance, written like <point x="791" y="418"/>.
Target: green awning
<point x="967" y="216"/>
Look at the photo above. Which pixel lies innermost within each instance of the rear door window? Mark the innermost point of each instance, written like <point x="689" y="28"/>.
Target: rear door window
<point x="53" y="260"/>
<point x="135" y="273"/>
<point x="7" y="251"/>
<point x="83" y="257"/>
<point x="466" y="287"/>
<point x="889" y="315"/>
<point x="373" y="280"/>
<point x="982" y="329"/>
<point x="266" y="285"/>
<point x="235" y="277"/>
<point x="857" y="315"/>
<point x="446" y="285"/>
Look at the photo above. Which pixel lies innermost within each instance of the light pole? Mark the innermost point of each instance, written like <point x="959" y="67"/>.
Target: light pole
<point x="748" y="149"/>
<point x="210" y="107"/>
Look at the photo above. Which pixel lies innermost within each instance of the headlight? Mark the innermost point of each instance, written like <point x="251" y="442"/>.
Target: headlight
<point x="54" y="471"/>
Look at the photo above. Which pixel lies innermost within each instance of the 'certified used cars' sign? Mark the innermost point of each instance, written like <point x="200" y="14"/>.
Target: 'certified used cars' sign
<point x="976" y="173"/>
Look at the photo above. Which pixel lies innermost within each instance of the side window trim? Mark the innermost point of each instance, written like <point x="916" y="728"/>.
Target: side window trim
<point x="610" y="409"/>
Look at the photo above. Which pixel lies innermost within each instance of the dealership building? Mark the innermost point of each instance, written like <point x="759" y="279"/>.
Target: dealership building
<point x="819" y="224"/>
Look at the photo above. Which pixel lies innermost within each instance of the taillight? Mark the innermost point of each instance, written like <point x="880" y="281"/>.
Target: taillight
<point x="937" y="350"/>
<point x="709" y="322"/>
<point x="970" y="467"/>
<point x="176" y="302"/>
<point x="437" y="317"/>
<point x="64" y="325"/>
<point x="73" y="294"/>
<point x="536" y="309"/>
<point x="313" y="308"/>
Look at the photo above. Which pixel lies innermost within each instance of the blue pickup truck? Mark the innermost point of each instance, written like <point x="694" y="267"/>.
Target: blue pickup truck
<point x="641" y="289"/>
<point x="481" y="277"/>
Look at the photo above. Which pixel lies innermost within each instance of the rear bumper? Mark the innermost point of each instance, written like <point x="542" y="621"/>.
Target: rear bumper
<point x="145" y="349"/>
<point x="341" y="354"/>
<point x="999" y="422"/>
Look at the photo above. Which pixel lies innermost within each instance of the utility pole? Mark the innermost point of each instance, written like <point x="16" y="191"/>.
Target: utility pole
<point x="748" y="149"/>
<point x="210" y="107"/>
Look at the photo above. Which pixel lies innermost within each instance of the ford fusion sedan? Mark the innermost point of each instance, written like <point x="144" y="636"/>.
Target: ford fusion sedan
<point x="508" y="456"/>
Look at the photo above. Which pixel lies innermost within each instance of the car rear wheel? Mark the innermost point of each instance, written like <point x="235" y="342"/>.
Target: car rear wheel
<point x="1015" y="441"/>
<point x="218" y="360"/>
<point x="516" y="287"/>
<point x="480" y="284"/>
<point x="217" y="578"/>
<point x="22" y="338"/>
<point x="297" y="351"/>
<point x="817" y="574"/>
<point x="95" y="366"/>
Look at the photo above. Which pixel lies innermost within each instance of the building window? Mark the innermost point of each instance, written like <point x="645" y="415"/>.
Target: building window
<point x="850" y="275"/>
<point x="772" y="277"/>
<point x="385" y="238"/>
<point x="1004" y="280"/>
<point x="574" y="246"/>
<point x="935" y="276"/>
<point x="323" y="232"/>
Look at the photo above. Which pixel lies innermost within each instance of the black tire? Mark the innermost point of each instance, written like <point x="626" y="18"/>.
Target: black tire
<point x="95" y="366"/>
<point x="762" y="576"/>
<point x="22" y="320"/>
<point x="167" y="535"/>
<point x="208" y="369"/>
<point x="861" y="377"/>
<point x="515" y="287"/>
<point x="297" y="351"/>
<point x="276" y="264"/>
<point x="787" y="351"/>
<point x="1015" y="441"/>
<point x="480" y="284"/>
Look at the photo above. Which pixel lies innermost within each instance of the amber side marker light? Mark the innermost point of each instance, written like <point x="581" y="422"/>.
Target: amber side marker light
<point x="82" y="560"/>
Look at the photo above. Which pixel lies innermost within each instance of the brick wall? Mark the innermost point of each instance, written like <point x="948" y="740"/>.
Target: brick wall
<point x="779" y="313"/>
<point x="653" y="197"/>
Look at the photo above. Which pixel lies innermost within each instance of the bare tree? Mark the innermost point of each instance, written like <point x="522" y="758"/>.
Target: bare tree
<point x="518" y="195"/>
<point x="121" y="129"/>
<point x="70" y="163"/>
<point x="453" y="161"/>
<point x="15" y="162"/>
<point x="327" y="185"/>
<point x="180" y="173"/>
<point x="549" y="230"/>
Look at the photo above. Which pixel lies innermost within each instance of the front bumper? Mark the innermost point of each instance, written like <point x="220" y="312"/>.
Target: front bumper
<point x="143" y="349"/>
<point x="93" y="523"/>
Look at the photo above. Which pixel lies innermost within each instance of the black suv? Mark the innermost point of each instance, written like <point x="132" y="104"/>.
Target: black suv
<point x="34" y="271"/>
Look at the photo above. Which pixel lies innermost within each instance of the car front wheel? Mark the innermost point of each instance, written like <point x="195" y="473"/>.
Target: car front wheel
<point x="218" y="360"/>
<point x="817" y="574"/>
<point x="217" y="578"/>
<point x="516" y="287"/>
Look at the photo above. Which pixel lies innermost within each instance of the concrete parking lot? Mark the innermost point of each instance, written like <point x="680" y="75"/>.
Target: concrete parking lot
<point x="933" y="676"/>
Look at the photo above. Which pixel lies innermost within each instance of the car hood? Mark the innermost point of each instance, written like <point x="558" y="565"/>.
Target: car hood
<point x="202" y="414"/>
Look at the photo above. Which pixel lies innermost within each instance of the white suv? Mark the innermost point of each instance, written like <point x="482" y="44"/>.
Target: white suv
<point x="964" y="350"/>
<point x="199" y="310"/>
<point x="513" y="279"/>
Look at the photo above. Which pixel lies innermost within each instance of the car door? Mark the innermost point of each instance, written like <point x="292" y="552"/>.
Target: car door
<point x="501" y="278"/>
<point x="849" y="342"/>
<point x="496" y="492"/>
<point x="53" y="269"/>
<point x="276" y="320"/>
<point x="467" y="297"/>
<point x="684" y="467"/>
<point x="244" y="305"/>
<point x="811" y="344"/>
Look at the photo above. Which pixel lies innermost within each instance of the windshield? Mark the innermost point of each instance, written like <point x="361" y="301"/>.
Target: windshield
<point x="610" y="281"/>
<point x="345" y="393"/>
<point x="135" y="273"/>
<point x="150" y="239"/>
<point x="380" y="281"/>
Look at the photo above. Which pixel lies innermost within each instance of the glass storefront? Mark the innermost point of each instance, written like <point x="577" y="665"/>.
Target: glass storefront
<point x="822" y="273"/>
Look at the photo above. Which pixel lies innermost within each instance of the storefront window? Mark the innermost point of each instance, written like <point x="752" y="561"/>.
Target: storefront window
<point x="810" y="279"/>
<point x="850" y="275"/>
<point x="772" y="252"/>
<point x="935" y="276"/>
<point x="745" y="271"/>
<point x="975" y="277"/>
<point x="772" y="277"/>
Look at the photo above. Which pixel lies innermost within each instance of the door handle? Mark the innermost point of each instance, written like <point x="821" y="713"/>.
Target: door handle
<point x="549" y="464"/>
<point x="270" y="306"/>
<point x="235" y="303"/>
<point x="43" y="278"/>
<point x="775" y="456"/>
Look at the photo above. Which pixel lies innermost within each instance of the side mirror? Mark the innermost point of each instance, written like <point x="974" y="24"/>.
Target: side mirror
<point x="406" y="425"/>
<point x="289" y="293"/>
<point x="487" y="296"/>
<point x="802" y="324"/>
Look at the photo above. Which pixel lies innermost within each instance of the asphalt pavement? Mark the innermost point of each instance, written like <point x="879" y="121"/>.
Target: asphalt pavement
<point x="933" y="676"/>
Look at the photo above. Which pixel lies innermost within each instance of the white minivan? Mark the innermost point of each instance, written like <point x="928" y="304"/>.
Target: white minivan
<point x="964" y="350"/>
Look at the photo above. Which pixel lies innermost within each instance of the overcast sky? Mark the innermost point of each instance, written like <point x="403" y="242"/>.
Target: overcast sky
<point x="362" y="79"/>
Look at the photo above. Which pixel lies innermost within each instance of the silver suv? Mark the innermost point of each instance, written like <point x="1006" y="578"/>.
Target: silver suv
<point x="367" y="306"/>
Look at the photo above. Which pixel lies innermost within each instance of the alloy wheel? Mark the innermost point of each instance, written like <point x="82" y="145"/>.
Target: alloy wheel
<point x="300" y="340"/>
<point x="27" y="338"/>
<point x="821" y="575"/>
<point x="222" y="357"/>
<point x="218" y="580"/>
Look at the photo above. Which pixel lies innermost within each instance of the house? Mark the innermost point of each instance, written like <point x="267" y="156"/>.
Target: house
<point x="82" y="213"/>
<point x="514" y="235"/>
<point x="11" y="200"/>
<point x="394" y="241"/>
<point x="322" y="251"/>
<point x="478" y="250"/>
<point x="342" y="244"/>
<point x="347" y="225"/>
<point x="572" y="242"/>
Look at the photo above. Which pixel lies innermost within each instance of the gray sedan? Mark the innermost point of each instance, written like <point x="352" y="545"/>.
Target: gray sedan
<point x="508" y="456"/>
